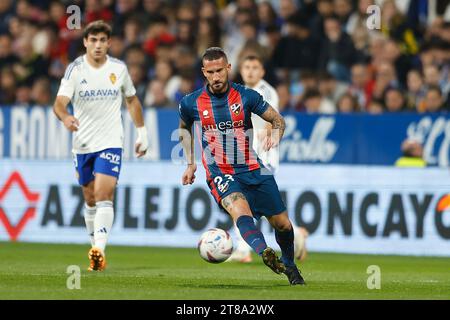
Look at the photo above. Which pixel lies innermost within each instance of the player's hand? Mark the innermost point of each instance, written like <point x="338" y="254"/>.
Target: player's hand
<point x="71" y="123"/>
<point x="189" y="174"/>
<point x="269" y="143"/>
<point x="141" y="146"/>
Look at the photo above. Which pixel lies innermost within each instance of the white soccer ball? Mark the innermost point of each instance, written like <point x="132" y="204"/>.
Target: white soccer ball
<point x="215" y="245"/>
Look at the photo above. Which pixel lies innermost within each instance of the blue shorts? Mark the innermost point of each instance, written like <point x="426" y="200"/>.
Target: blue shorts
<point x="261" y="191"/>
<point x="107" y="162"/>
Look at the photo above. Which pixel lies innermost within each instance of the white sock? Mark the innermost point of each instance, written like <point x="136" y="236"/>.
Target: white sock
<point x="103" y="223"/>
<point x="89" y="216"/>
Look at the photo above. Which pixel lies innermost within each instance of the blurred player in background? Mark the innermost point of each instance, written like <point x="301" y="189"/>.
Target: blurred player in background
<point x="95" y="84"/>
<point x="252" y="72"/>
<point x="234" y="173"/>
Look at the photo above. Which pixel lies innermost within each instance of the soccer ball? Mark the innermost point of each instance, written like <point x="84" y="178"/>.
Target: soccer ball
<point x="215" y="245"/>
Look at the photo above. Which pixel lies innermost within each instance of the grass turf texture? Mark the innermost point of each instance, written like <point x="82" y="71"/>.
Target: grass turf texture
<point x="38" y="271"/>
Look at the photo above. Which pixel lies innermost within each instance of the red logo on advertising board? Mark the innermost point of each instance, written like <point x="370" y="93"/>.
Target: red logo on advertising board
<point x="30" y="197"/>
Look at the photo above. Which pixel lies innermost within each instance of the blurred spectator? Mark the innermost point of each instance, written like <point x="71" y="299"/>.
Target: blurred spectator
<point x="41" y="93"/>
<point x="164" y="72"/>
<point x="187" y="85"/>
<point x="7" y="57"/>
<point x="267" y="15"/>
<point x="6" y="13"/>
<point x="343" y="10"/>
<point x="30" y="65"/>
<point x="347" y="104"/>
<point x="135" y="55"/>
<point x="23" y="96"/>
<point x="132" y="32"/>
<point x="137" y="75"/>
<point x="394" y="100"/>
<point x="393" y="55"/>
<point x="416" y="90"/>
<point x="385" y="78"/>
<point x="330" y="88"/>
<point x="156" y="97"/>
<point x="157" y="32"/>
<point x="286" y="9"/>
<point x="434" y="101"/>
<point x="395" y="25"/>
<point x="361" y="86"/>
<point x="96" y="10"/>
<point x="297" y="49"/>
<point x="308" y="81"/>
<point x="313" y="102"/>
<point x="284" y="96"/>
<point x="375" y="107"/>
<point x="7" y="86"/>
<point x="117" y="47"/>
<point x="337" y="52"/>
<point x="208" y="35"/>
<point x="325" y="9"/>
<point x="412" y="155"/>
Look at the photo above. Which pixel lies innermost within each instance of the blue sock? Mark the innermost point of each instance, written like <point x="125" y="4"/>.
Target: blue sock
<point x="286" y="242"/>
<point x="251" y="234"/>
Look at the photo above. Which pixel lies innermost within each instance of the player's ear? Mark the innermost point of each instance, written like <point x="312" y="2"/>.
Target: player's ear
<point x="85" y="42"/>
<point x="204" y="71"/>
<point x="229" y="67"/>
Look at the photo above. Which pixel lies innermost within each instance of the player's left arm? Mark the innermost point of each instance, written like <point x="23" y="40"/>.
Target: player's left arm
<point x="135" y="109"/>
<point x="278" y="126"/>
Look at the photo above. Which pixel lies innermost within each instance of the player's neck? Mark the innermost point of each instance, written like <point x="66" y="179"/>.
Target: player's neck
<point x="96" y="63"/>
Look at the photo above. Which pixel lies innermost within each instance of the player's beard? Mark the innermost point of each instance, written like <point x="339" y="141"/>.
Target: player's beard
<point x="219" y="86"/>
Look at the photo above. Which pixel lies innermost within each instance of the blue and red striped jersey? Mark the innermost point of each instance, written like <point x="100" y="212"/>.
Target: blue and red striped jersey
<point x="225" y="120"/>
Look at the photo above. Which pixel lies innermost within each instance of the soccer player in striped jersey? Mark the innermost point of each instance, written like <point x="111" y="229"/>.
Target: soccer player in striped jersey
<point x="252" y="72"/>
<point x="237" y="178"/>
<point x="96" y="84"/>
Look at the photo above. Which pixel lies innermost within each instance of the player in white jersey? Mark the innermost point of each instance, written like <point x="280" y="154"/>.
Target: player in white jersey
<point x="96" y="84"/>
<point x="252" y="72"/>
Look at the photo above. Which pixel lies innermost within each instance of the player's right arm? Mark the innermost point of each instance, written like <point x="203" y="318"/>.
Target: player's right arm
<point x="60" y="110"/>
<point x="63" y="97"/>
<point x="187" y="141"/>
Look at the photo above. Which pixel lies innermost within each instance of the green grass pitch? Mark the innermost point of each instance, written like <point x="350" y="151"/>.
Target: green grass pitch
<point x="38" y="271"/>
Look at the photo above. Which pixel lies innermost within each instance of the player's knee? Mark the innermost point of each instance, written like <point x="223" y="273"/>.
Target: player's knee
<point x="282" y="225"/>
<point x="89" y="199"/>
<point x="285" y="227"/>
<point x="102" y="196"/>
<point x="90" y="202"/>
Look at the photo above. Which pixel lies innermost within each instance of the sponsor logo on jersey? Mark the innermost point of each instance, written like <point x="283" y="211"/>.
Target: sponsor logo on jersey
<point x="83" y="81"/>
<point x="224" y="126"/>
<point x="113" y="78"/>
<point x="236" y="108"/>
<point x="115" y="169"/>
<point x="111" y="157"/>
<point x="99" y="93"/>
<point x="205" y="114"/>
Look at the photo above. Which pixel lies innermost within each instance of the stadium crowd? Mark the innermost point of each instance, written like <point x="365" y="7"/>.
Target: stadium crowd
<point x="320" y="55"/>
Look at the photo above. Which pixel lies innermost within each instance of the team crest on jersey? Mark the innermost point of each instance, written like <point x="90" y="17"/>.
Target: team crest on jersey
<point x="113" y="78"/>
<point x="236" y="108"/>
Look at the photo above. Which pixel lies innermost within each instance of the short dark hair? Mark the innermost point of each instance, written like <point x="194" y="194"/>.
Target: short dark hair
<point x="311" y="93"/>
<point x="97" y="27"/>
<point x="253" y="57"/>
<point x="435" y="88"/>
<point x="214" y="53"/>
